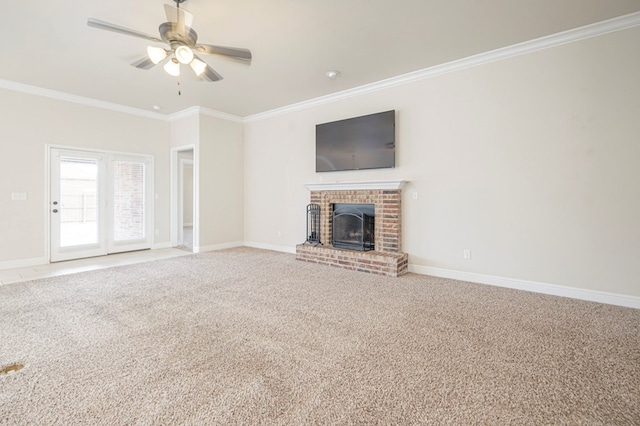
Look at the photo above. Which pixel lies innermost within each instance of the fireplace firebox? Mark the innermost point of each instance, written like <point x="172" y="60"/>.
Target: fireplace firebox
<point x="353" y="226"/>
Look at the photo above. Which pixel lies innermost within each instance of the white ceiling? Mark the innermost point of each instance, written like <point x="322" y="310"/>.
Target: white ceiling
<point x="294" y="42"/>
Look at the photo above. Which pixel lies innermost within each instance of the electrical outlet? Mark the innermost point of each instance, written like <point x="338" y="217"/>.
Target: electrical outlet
<point x="415" y="195"/>
<point x="466" y="254"/>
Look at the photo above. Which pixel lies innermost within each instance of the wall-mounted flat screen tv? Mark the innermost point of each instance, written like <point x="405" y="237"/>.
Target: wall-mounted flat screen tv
<point x="367" y="142"/>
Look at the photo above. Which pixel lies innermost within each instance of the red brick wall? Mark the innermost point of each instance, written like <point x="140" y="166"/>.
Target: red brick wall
<point x="388" y="229"/>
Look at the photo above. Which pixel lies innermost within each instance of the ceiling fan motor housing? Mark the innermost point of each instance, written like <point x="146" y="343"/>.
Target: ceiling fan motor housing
<point x="171" y="35"/>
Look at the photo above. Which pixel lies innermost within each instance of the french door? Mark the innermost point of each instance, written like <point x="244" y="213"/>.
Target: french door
<point x="100" y="203"/>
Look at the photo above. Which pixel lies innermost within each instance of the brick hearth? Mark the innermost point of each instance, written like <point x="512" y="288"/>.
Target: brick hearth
<point x="387" y="258"/>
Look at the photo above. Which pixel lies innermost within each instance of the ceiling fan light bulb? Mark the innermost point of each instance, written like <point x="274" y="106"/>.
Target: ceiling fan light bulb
<point x="156" y="54"/>
<point x="172" y="68"/>
<point x="184" y="54"/>
<point x="198" y="66"/>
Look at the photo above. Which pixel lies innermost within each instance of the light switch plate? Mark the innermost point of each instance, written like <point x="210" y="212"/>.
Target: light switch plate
<point x="18" y="196"/>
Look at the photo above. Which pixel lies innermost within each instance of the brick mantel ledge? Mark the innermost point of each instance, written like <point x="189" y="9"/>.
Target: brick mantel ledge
<point x="356" y="186"/>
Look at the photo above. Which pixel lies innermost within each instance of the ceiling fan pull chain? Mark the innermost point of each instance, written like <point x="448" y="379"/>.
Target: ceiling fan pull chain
<point x="179" y="92"/>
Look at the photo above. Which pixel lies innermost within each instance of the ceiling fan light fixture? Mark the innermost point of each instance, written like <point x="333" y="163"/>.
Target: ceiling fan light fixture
<point x="172" y="67"/>
<point x="181" y="42"/>
<point x="184" y="54"/>
<point x="156" y="54"/>
<point x="198" y="66"/>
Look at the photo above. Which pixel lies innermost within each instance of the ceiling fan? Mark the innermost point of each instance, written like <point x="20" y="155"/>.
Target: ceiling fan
<point x="183" y="45"/>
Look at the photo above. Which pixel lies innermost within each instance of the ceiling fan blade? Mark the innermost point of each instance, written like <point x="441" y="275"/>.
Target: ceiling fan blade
<point x="210" y="74"/>
<point x="144" y="63"/>
<point x="103" y="25"/>
<point x="181" y="17"/>
<point x="243" y="55"/>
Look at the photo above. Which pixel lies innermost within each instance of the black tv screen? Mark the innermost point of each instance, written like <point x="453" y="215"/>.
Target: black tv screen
<point x="367" y="142"/>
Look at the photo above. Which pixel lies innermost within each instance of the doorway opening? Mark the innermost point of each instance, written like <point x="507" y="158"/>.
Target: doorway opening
<point x="183" y="203"/>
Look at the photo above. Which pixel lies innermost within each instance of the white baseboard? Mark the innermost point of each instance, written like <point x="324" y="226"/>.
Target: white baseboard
<point x="536" y="287"/>
<point x="23" y="263"/>
<point x="272" y="247"/>
<point x="218" y="246"/>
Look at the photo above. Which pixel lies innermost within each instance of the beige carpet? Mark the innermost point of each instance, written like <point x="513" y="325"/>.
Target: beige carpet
<point x="246" y="336"/>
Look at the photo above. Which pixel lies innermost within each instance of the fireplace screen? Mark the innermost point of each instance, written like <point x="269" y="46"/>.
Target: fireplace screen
<point x="354" y="226"/>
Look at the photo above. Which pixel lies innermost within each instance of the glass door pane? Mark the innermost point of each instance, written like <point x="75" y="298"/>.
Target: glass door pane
<point x="128" y="201"/>
<point x="79" y="197"/>
<point x="130" y="219"/>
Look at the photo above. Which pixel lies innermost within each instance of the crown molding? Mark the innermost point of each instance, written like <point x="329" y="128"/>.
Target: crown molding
<point x="196" y="110"/>
<point x="581" y="33"/>
<point x="219" y="114"/>
<point x="188" y="112"/>
<point x="67" y="97"/>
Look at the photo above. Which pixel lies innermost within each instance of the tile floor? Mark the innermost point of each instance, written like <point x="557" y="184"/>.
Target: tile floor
<point x="8" y="276"/>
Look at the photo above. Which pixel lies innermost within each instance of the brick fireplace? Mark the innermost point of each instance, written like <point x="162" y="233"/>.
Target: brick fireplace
<point x="387" y="257"/>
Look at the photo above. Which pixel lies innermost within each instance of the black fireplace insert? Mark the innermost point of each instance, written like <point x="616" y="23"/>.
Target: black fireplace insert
<point x="354" y="226"/>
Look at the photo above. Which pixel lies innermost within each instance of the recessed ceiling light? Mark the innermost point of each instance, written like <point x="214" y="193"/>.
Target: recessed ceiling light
<point x="157" y="107"/>
<point x="333" y="74"/>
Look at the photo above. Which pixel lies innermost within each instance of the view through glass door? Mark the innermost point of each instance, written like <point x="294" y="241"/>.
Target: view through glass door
<point x="100" y="203"/>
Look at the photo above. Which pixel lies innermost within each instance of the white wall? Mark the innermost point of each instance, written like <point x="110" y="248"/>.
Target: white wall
<point x="185" y="131"/>
<point x="220" y="182"/>
<point x="531" y="163"/>
<point x="218" y="167"/>
<point x="30" y="122"/>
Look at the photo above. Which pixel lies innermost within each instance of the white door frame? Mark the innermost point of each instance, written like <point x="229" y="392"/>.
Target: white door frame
<point x="180" y="225"/>
<point x="176" y="197"/>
